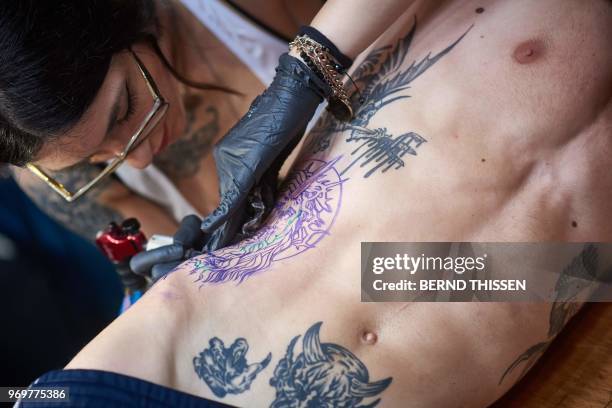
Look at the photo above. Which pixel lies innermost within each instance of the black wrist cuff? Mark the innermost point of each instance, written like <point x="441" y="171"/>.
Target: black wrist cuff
<point x="319" y="37"/>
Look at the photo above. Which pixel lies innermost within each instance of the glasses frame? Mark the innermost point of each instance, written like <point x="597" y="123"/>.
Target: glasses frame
<point x="160" y="105"/>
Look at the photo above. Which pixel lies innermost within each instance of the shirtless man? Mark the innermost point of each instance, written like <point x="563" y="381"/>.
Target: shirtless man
<point x="482" y="121"/>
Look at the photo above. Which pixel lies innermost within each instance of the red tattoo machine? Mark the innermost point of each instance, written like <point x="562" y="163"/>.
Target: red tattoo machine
<point x="120" y="243"/>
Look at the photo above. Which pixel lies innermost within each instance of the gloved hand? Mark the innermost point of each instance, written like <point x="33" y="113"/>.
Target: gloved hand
<point x="188" y="240"/>
<point x="250" y="156"/>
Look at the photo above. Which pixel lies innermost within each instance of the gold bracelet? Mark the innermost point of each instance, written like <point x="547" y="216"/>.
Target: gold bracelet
<point x="324" y="65"/>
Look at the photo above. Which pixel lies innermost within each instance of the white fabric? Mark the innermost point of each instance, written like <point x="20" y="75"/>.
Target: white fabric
<point x="256" y="48"/>
<point x="151" y="183"/>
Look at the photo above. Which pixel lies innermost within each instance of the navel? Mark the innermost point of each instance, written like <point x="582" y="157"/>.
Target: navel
<point x="369" y="337"/>
<point x="529" y="51"/>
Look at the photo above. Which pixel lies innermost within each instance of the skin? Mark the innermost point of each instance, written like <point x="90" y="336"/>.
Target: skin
<point x="195" y="120"/>
<point x="296" y="12"/>
<point x="517" y="149"/>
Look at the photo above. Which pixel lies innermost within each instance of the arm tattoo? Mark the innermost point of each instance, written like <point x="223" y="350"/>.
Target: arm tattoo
<point x="384" y="79"/>
<point x="322" y="375"/>
<point x="182" y="158"/>
<point x="225" y="369"/>
<point x="84" y="216"/>
<point x="577" y="277"/>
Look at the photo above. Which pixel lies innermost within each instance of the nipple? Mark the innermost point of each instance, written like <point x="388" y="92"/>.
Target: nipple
<point x="528" y="51"/>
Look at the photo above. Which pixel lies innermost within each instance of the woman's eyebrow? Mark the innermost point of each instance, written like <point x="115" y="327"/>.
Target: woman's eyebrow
<point x="112" y="119"/>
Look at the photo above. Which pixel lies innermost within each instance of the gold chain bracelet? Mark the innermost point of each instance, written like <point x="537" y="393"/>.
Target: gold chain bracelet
<point x="324" y="65"/>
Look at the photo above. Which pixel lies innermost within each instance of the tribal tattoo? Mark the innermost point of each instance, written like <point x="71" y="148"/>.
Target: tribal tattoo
<point x="322" y="375"/>
<point x="383" y="78"/>
<point x="303" y="215"/>
<point x="578" y="277"/>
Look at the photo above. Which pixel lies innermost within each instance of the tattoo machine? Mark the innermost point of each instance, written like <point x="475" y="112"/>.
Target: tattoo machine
<point x="161" y="259"/>
<point x="120" y="243"/>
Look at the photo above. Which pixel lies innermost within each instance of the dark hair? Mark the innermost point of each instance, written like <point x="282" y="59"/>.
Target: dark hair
<point x="54" y="56"/>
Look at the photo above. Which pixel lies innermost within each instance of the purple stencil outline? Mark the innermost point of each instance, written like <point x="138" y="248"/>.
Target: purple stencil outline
<point x="304" y="200"/>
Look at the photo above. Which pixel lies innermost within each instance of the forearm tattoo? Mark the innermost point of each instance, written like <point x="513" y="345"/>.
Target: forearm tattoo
<point x="384" y="78"/>
<point x="579" y="276"/>
<point x="85" y="216"/>
<point x="321" y="375"/>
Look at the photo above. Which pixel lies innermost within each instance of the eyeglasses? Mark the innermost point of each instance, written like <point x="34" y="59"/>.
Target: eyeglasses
<point x="157" y="112"/>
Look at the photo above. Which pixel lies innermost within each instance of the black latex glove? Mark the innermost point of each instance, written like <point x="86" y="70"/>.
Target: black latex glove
<point x="188" y="240"/>
<point x="249" y="157"/>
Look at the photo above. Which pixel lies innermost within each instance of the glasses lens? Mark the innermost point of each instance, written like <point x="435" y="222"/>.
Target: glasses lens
<point x="135" y="114"/>
<point x="146" y="128"/>
<point x="140" y="134"/>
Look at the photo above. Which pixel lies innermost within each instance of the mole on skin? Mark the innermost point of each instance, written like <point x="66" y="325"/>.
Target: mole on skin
<point x="528" y="51"/>
<point x="369" y="337"/>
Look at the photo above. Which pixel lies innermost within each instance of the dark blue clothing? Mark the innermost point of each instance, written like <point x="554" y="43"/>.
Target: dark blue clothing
<point x="59" y="291"/>
<point x="103" y="389"/>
